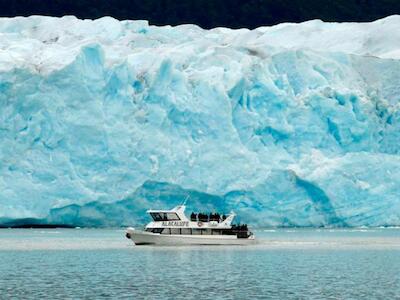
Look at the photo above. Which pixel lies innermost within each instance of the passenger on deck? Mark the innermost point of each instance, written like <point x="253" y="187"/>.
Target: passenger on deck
<point x="211" y="217"/>
<point x="203" y="217"/>
<point x="214" y="217"/>
<point x="193" y="217"/>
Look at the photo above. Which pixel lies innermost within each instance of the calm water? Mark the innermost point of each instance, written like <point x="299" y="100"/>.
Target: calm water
<point x="286" y="264"/>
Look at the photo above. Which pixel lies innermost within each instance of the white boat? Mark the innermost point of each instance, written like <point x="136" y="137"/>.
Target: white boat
<point x="172" y="227"/>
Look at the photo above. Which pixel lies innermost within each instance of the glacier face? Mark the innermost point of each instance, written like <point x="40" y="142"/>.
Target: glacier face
<point x="293" y="125"/>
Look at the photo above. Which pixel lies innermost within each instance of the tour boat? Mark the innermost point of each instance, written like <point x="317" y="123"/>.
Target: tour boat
<point x="172" y="227"/>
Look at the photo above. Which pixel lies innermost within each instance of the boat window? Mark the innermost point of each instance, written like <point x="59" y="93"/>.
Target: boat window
<point x="172" y="217"/>
<point x="164" y="216"/>
<point x="206" y="231"/>
<point x="186" y="231"/>
<point x="175" y="231"/>
<point x="227" y="232"/>
<point x="196" y="231"/>
<point x="166" y="231"/>
<point x="156" y="216"/>
<point x="157" y="230"/>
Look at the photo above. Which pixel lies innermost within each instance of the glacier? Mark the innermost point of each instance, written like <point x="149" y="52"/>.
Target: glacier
<point x="288" y="125"/>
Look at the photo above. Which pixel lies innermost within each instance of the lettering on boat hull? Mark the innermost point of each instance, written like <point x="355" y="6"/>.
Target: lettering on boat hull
<point x="176" y="223"/>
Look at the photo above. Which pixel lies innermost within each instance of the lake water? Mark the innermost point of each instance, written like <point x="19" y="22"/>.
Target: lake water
<point x="285" y="264"/>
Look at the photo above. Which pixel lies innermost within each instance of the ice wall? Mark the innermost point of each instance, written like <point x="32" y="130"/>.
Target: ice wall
<point x="295" y="124"/>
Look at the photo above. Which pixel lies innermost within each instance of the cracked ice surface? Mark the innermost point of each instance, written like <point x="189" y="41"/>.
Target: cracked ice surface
<point x="295" y="124"/>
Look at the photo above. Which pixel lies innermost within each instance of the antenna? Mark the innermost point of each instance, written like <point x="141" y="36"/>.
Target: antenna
<point x="184" y="202"/>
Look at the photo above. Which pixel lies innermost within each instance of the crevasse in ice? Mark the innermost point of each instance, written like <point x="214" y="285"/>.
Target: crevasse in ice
<point x="290" y="125"/>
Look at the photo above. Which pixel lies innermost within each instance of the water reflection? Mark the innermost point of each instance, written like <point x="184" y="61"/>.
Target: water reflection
<point x="81" y="239"/>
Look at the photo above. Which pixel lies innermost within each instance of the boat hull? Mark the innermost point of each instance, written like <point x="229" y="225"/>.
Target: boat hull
<point x="140" y="237"/>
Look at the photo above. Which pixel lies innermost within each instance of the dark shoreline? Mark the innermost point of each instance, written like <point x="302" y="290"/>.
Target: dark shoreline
<point x="31" y="226"/>
<point x="210" y="13"/>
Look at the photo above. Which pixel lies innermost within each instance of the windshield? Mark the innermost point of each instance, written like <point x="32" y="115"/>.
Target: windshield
<point x="164" y="216"/>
